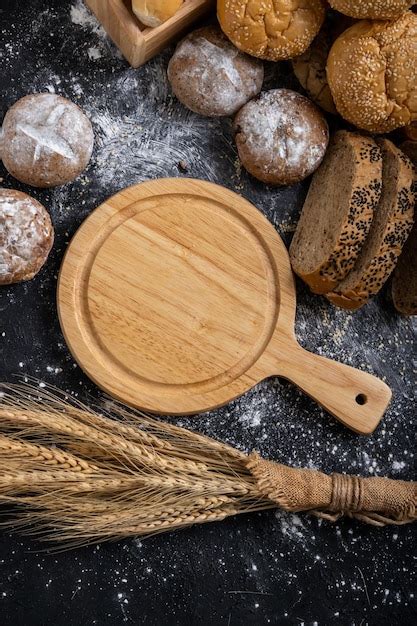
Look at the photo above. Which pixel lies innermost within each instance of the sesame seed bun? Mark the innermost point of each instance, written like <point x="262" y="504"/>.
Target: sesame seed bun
<point x="262" y="29"/>
<point x="372" y="9"/>
<point x="372" y="73"/>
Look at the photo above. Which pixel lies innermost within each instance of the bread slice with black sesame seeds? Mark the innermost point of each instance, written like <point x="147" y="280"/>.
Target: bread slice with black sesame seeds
<point x="391" y="225"/>
<point x="404" y="282"/>
<point x="338" y="211"/>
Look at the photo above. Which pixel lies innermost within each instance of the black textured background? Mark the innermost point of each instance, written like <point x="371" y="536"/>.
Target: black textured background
<point x="257" y="569"/>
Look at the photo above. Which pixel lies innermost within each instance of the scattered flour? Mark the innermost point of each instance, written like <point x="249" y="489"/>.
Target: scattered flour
<point x="83" y="17"/>
<point x="94" y="53"/>
<point x="293" y="529"/>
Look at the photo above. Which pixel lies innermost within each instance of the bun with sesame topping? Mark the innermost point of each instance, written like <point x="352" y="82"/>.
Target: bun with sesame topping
<point x="338" y="211"/>
<point x="372" y="73"/>
<point x="372" y="9"/>
<point x="390" y="228"/>
<point x="271" y="30"/>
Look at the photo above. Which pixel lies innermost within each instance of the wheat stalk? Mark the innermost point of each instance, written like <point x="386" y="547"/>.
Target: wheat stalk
<point x="75" y="475"/>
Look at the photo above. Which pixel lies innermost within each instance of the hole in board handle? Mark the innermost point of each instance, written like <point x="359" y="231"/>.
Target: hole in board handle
<point x="361" y="399"/>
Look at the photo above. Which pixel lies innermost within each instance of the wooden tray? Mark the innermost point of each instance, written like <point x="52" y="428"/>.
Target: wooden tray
<point x="139" y="43"/>
<point x="177" y="295"/>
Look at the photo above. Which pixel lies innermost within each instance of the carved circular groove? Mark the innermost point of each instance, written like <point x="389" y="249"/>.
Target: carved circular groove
<point x="169" y="295"/>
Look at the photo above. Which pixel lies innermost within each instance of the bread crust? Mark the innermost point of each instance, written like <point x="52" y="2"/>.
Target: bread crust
<point x="404" y="283"/>
<point x="365" y="193"/>
<point x="372" y="9"/>
<point x="392" y="240"/>
<point x="310" y="67"/>
<point x="153" y="13"/>
<point x="26" y="236"/>
<point x="372" y="73"/>
<point x="271" y="30"/>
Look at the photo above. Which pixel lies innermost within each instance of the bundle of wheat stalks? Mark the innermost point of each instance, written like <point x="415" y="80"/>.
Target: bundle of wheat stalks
<point x="73" y="475"/>
<point x="79" y="476"/>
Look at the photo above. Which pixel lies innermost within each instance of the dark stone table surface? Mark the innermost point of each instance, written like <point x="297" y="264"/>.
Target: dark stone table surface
<point x="266" y="568"/>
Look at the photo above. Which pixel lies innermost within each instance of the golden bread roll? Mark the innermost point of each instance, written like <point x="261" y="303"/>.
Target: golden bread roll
<point x="271" y="30"/>
<point x="310" y="67"/>
<point x="372" y="9"/>
<point x="372" y="73"/>
<point x="155" y="12"/>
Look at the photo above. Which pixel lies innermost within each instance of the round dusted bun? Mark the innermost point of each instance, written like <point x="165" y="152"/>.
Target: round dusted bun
<point x="372" y="9"/>
<point x="155" y="12"/>
<point x="310" y="67"/>
<point x="46" y="140"/>
<point x="271" y="30"/>
<point x="210" y="76"/>
<point x="372" y="73"/>
<point x="281" y="137"/>
<point x="26" y="236"/>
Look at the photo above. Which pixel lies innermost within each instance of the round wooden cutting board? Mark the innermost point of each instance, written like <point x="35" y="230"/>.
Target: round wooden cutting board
<point x="176" y="296"/>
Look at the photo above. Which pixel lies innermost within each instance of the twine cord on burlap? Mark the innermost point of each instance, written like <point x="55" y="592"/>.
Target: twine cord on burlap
<point x="377" y="501"/>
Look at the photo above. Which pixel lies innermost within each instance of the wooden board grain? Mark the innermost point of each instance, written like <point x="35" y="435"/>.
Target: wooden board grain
<point x="177" y="295"/>
<point x="139" y="43"/>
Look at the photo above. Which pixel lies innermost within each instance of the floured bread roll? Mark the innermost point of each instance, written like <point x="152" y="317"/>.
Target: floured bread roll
<point x="155" y="12"/>
<point x="281" y="137"/>
<point x="26" y="236"/>
<point x="210" y="76"/>
<point x="46" y="140"/>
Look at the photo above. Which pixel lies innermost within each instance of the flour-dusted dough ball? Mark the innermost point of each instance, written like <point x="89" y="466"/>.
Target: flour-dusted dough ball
<point x="281" y="137"/>
<point x="26" y="236"/>
<point x="269" y="29"/>
<point x="372" y="9"/>
<point x="46" y="140"/>
<point x="210" y="76"/>
<point x="372" y="73"/>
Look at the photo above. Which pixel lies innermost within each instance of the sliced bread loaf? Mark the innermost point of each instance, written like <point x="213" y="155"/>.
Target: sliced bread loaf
<point x="338" y="211"/>
<point x="390" y="228"/>
<point x="404" y="282"/>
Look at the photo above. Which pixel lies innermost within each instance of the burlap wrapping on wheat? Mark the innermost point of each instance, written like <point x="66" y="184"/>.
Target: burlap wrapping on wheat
<point x="377" y="501"/>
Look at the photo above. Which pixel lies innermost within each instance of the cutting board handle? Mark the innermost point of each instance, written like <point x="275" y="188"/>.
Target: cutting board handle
<point x="355" y="398"/>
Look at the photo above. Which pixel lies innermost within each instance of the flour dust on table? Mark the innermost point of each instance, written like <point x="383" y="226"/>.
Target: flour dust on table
<point x="258" y="569"/>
